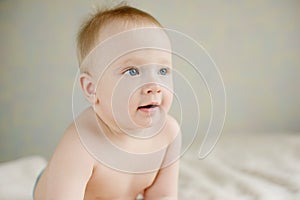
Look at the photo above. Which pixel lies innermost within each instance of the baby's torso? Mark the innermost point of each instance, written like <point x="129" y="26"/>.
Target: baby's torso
<point x="141" y="157"/>
<point x="109" y="184"/>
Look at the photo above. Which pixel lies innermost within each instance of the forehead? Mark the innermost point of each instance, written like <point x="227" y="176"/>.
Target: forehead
<point x="127" y="41"/>
<point x="118" y="26"/>
<point x="144" y="57"/>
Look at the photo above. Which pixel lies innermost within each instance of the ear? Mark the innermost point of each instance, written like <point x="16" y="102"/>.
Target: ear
<point x="88" y="87"/>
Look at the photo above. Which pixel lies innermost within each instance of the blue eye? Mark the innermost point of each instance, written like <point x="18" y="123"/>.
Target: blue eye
<point x="163" y="71"/>
<point x="132" y="72"/>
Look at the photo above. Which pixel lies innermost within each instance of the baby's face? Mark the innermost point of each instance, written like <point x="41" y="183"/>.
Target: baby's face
<point x="135" y="91"/>
<point x="133" y="76"/>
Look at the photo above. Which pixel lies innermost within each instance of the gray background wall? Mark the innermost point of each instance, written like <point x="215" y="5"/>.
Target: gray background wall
<point x="255" y="44"/>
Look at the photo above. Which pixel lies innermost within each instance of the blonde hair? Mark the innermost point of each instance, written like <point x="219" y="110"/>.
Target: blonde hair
<point x="88" y="34"/>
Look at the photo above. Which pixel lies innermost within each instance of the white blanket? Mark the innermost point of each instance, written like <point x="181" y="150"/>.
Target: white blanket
<point x="17" y="177"/>
<point x="244" y="167"/>
<point x="241" y="167"/>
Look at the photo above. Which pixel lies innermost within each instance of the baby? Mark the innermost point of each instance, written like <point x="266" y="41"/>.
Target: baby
<point x="125" y="146"/>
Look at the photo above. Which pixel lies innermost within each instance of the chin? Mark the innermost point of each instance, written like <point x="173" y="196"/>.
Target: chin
<point x="151" y="123"/>
<point x="145" y="124"/>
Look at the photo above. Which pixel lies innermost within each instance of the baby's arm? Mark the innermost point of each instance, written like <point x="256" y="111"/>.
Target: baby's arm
<point x="165" y="186"/>
<point x="69" y="169"/>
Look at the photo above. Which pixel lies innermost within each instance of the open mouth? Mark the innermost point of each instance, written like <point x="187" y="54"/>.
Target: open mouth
<point x="148" y="108"/>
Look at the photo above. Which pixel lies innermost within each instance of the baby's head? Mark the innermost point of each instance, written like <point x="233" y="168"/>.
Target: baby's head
<point x="106" y="23"/>
<point x="125" y="63"/>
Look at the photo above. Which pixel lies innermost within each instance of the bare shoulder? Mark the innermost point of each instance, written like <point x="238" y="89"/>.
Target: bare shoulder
<point x="68" y="171"/>
<point x="70" y="151"/>
<point x="170" y="120"/>
<point x="70" y="146"/>
<point x="172" y="128"/>
<point x="71" y="143"/>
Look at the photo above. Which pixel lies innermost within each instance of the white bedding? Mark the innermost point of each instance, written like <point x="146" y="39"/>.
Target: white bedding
<point x="241" y="167"/>
<point x="245" y="167"/>
<point x="17" y="177"/>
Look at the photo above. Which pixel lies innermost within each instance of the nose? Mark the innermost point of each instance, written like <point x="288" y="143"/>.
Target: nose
<point x="151" y="88"/>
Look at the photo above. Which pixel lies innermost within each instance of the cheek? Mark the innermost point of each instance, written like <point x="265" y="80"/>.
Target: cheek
<point x="129" y="90"/>
<point x="104" y="96"/>
<point x="105" y="89"/>
<point x="167" y="101"/>
<point x="123" y="100"/>
<point x="133" y="101"/>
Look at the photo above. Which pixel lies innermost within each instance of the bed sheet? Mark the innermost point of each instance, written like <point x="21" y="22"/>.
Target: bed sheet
<point x="242" y="166"/>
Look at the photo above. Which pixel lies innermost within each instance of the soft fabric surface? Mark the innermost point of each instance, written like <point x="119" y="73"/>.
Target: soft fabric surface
<point x="17" y="177"/>
<point x="241" y="167"/>
<point x="244" y="167"/>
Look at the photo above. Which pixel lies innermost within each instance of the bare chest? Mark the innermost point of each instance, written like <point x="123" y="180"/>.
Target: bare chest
<point x="107" y="183"/>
